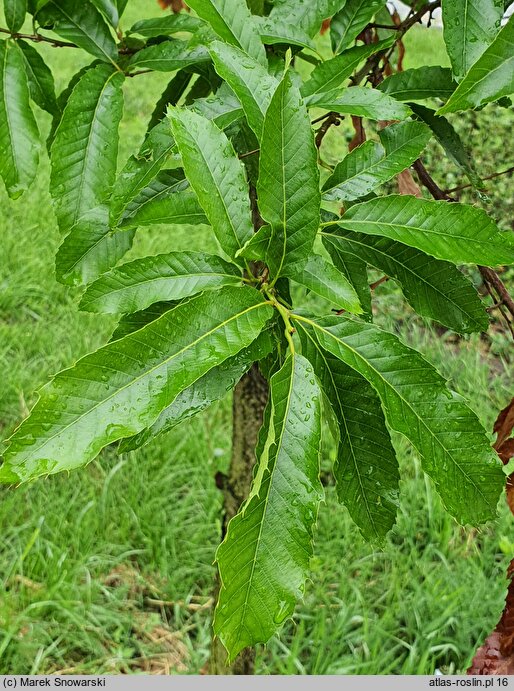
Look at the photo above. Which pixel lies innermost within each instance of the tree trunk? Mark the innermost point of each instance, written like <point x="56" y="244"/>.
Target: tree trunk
<point x="250" y="398"/>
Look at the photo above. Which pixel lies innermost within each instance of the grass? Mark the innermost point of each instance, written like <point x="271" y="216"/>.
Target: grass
<point x="110" y="569"/>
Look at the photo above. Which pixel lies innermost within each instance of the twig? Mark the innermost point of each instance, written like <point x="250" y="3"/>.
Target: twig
<point x="487" y="177"/>
<point x="38" y="38"/>
<point x="375" y="285"/>
<point x="249" y="153"/>
<point x="428" y="181"/>
<point x="333" y="119"/>
<point x="492" y="278"/>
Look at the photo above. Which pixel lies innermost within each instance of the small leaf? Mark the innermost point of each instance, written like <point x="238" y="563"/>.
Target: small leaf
<point x="216" y="175"/>
<point x="168" y="56"/>
<point x="129" y="323"/>
<point x="419" y="83"/>
<point x="15" y="11"/>
<point x="371" y="164"/>
<point x="454" y="449"/>
<point x="264" y="558"/>
<point x="278" y="31"/>
<point x="288" y="185"/>
<point x="138" y="284"/>
<point x="470" y="26"/>
<point x="19" y="135"/>
<point x="322" y="277"/>
<point x="231" y="21"/>
<point x="305" y="14"/>
<point x="455" y="232"/>
<point x="109" y="9"/>
<point x="256" y="248"/>
<point x="122" y="388"/>
<point x="490" y="78"/>
<point x="82" y="24"/>
<point x="347" y="24"/>
<point x="251" y="82"/>
<point x="363" y="102"/>
<point x="171" y="95"/>
<point x="223" y="108"/>
<point x="40" y="79"/>
<point x="166" y="25"/>
<point x="329" y="75"/>
<point x="435" y="289"/>
<point x="355" y="270"/>
<point x="366" y="469"/>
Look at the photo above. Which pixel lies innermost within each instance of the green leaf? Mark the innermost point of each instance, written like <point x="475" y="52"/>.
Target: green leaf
<point x="251" y="82"/>
<point x="129" y="323"/>
<point x="329" y="75"/>
<point x="256" y="248"/>
<point x="216" y="175"/>
<point x="358" y="100"/>
<point x="322" y="277"/>
<point x="288" y="185"/>
<point x="122" y="388"/>
<point x="281" y="31"/>
<point x="109" y="9"/>
<point x="15" y="11"/>
<point x="168" y="56"/>
<point x="40" y="79"/>
<point x="454" y="448"/>
<point x="166" y="25"/>
<point x="167" y="199"/>
<point x="62" y="101"/>
<point x="366" y="469"/>
<point x="305" y="14"/>
<point x="85" y="148"/>
<point x="490" y="78"/>
<point x="210" y="388"/>
<point x="355" y="270"/>
<point x="231" y="21"/>
<point x="470" y="26"/>
<point x="450" y="140"/>
<point x="171" y="95"/>
<point x="264" y="559"/>
<point x="174" y="276"/>
<point x="419" y="83"/>
<point x="82" y="24"/>
<point x="90" y="249"/>
<point x="19" y="135"/>
<point x="347" y="24"/>
<point x="455" y="232"/>
<point x="371" y="164"/>
<point x="434" y="288"/>
<point x="223" y="107"/>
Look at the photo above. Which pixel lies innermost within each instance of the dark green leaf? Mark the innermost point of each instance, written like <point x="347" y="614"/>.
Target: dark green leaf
<point x="454" y="232"/>
<point x="490" y="78"/>
<point x="231" y="21"/>
<point x="358" y="100"/>
<point x="434" y="288"/>
<point x="122" y="388"/>
<point x="166" y="25"/>
<point x="454" y="448"/>
<point x="109" y="9"/>
<point x="288" y="185"/>
<point x="264" y="559"/>
<point x="15" y="11"/>
<point x="216" y="175"/>
<point x="470" y="26"/>
<point x="168" y="56"/>
<point x="40" y="79"/>
<point x="82" y="24"/>
<point x="419" y="83"/>
<point x="347" y="24"/>
<point x="371" y="164"/>
<point x="170" y="96"/>
<point x="355" y="270"/>
<point x="322" y="278"/>
<point x="366" y="469"/>
<point x="137" y="320"/>
<point x="19" y="135"/>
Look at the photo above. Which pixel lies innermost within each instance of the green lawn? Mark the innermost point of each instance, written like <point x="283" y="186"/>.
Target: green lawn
<point x="110" y="569"/>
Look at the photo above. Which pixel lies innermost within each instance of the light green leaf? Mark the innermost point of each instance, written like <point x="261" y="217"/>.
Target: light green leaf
<point x="251" y="82"/>
<point x="123" y="387"/>
<point x="435" y="289"/>
<point x="288" y="185"/>
<point x="419" y="83"/>
<point x="358" y="100"/>
<point x="216" y="175"/>
<point x="223" y="107"/>
<point x="322" y="277"/>
<point x="454" y="448"/>
<point x="85" y="148"/>
<point x="168" y="56"/>
<point x="490" y="78"/>
<point x="256" y="248"/>
<point x="264" y="559"/>
<point x="166" y="25"/>
<point x="455" y="232"/>
<point x="366" y="469"/>
<point x="40" y="79"/>
<point x="19" y="135"/>
<point x="82" y="24"/>
<point x="329" y="75"/>
<point x="470" y="26"/>
<point x="305" y="14"/>
<point x="279" y="31"/>
<point x="371" y="164"/>
<point x="174" y="276"/>
<point x="231" y="21"/>
<point x="210" y="388"/>
<point x="347" y="24"/>
<point x="15" y="11"/>
<point x="355" y="270"/>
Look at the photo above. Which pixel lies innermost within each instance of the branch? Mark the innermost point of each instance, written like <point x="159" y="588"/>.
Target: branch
<point x="38" y="38"/>
<point x="487" y="177"/>
<point x="332" y="119"/>
<point x="428" y="181"/>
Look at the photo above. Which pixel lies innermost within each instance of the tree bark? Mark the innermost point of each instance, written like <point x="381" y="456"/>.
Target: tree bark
<point x="249" y="402"/>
